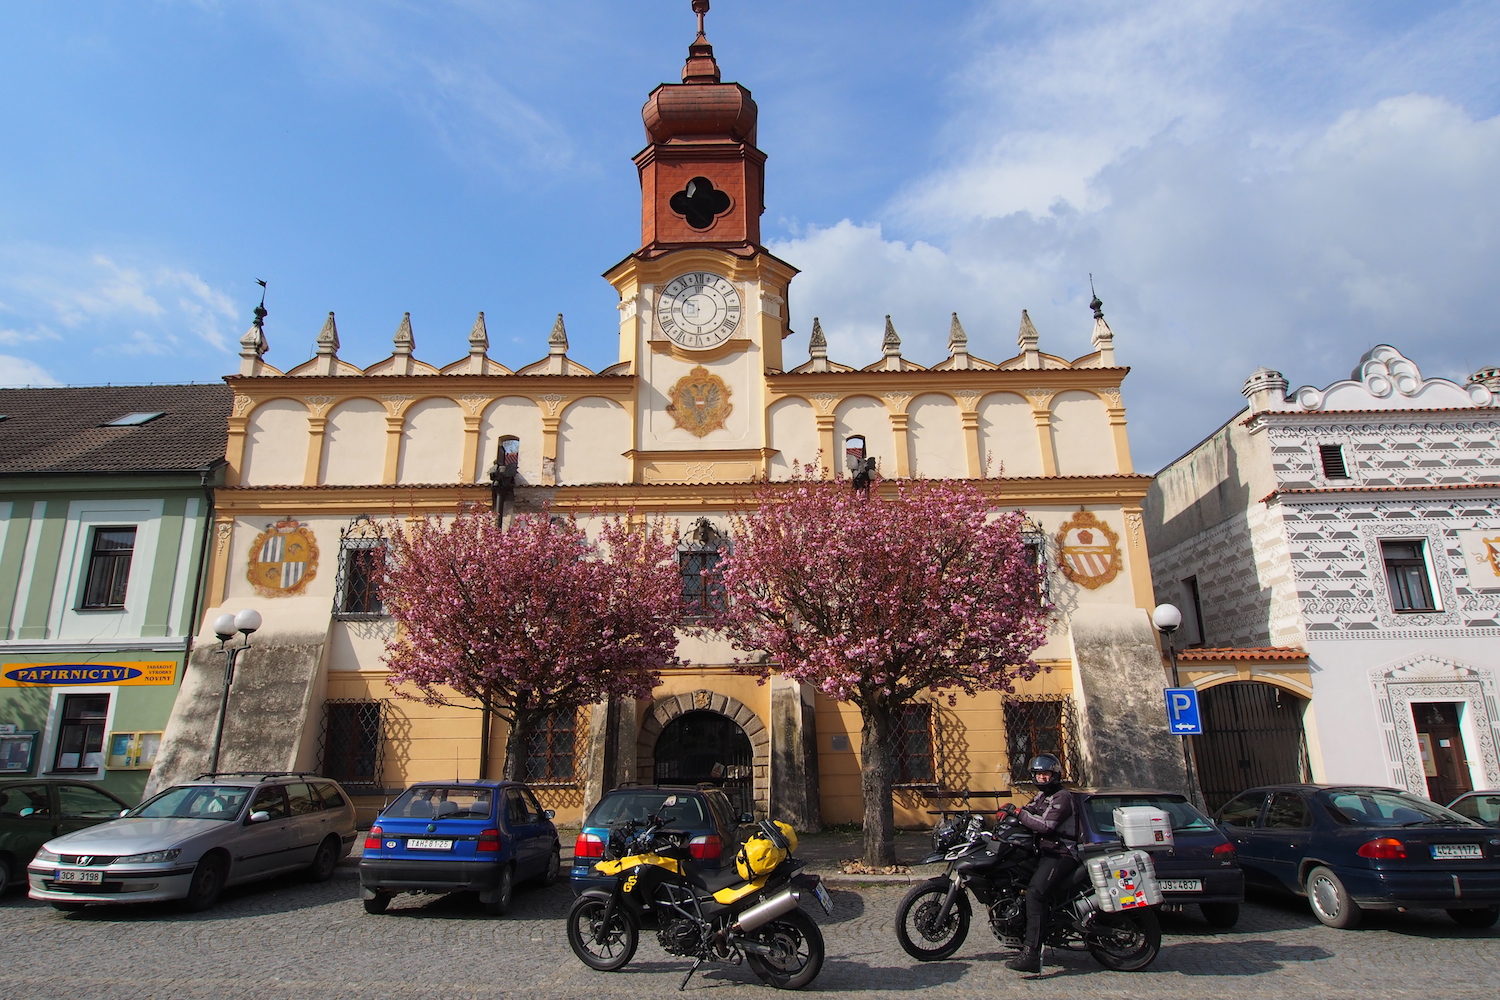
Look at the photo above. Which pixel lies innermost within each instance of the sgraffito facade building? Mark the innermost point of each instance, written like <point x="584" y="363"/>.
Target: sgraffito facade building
<point x="1336" y="553"/>
<point x="703" y="403"/>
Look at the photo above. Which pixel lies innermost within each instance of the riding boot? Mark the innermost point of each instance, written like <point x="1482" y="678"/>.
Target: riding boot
<point x="1026" y="961"/>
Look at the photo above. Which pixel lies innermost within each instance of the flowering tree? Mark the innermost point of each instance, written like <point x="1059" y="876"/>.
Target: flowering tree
<point x="530" y="620"/>
<point x="873" y="596"/>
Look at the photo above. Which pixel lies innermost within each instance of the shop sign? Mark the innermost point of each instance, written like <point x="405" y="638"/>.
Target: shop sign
<point x="65" y="674"/>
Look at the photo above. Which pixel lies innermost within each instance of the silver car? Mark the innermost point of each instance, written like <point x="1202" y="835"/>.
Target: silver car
<point x="192" y="840"/>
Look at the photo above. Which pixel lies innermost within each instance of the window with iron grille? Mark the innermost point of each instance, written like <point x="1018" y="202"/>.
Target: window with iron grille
<point x="362" y="554"/>
<point x="697" y="558"/>
<point x="1035" y="540"/>
<point x="550" y="748"/>
<point x="109" y="568"/>
<point x="913" y="742"/>
<point x="1042" y="724"/>
<point x="352" y="746"/>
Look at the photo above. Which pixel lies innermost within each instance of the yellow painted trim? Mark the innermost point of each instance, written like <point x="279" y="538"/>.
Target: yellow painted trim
<point x="735" y="893"/>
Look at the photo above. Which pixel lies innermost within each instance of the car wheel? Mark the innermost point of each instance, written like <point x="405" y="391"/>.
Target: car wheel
<point x="554" y="867"/>
<point x="68" y="907"/>
<point x="1220" y="914"/>
<point x="323" y="863"/>
<point x="208" y="881"/>
<point x="378" y="903"/>
<point x="1330" y="901"/>
<point x="1479" y="917"/>
<point x="4" y="876"/>
<point x="505" y="888"/>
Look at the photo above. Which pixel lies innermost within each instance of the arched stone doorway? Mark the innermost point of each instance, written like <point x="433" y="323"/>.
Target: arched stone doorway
<point x="1252" y="735"/>
<point x="684" y="736"/>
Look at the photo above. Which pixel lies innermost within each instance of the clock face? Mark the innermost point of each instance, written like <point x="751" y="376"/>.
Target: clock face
<point x="698" y="310"/>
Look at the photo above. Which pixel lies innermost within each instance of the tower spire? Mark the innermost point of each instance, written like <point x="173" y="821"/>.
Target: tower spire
<point x="701" y="66"/>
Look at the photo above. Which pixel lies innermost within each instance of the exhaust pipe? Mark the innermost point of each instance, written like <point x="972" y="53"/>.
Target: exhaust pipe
<point x="763" y="913"/>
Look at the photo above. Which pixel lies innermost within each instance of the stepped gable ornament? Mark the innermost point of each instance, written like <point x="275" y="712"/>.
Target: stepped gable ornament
<point x="1089" y="551"/>
<point x="283" y="559"/>
<point x="700" y="402"/>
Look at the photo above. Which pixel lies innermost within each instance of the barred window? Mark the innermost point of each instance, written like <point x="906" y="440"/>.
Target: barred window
<point x="1035" y="540"/>
<point x="550" y="748"/>
<point x="362" y="554"/>
<point x="913" y="744"/>
<point x="697" y="558"/>
<point x="352" y="744"/>
<point x="1038" y="725"/>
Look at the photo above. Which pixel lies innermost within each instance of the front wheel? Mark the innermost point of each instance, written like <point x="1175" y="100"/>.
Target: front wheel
<point x="926" y="934"/>
<point x="1125" y="942"/>
<point x="203" y="890"/>
<point x="796" y="952"/>
<point x="607" y="949"/>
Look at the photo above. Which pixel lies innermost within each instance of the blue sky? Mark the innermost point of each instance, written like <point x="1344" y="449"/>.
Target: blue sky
<point x="1277" y="183"/>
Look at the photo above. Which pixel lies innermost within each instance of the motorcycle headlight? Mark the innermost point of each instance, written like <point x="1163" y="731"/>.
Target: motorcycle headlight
<point x="46" y="855"/>
<point x="150" y="857"/>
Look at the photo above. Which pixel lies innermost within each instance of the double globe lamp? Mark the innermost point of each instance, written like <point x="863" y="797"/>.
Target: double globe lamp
<point x="225" y="627"/>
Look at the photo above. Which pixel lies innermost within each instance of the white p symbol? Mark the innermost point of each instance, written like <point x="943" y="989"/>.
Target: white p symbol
<point x="1180" y="703"/>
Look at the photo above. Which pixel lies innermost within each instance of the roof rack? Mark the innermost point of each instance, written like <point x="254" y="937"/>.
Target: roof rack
<point x="262" y="775"/>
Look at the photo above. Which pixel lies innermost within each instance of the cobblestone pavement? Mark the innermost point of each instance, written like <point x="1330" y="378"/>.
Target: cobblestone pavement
<point x="289" y="939"/>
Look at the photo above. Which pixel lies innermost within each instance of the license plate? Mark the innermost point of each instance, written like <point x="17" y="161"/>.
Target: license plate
<point x="824" y="900"/>
<point x="1181" y="885"/>
<point x="69" y="875"/>
<point x="1443" y="852"/>
<point x="418" y="844"/>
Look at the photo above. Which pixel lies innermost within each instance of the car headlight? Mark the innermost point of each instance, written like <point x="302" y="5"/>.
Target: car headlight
<point x="46" y="855"/>
<point x="151" y="857"/>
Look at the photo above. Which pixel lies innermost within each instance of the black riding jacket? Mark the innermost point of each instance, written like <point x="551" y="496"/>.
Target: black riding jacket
<point x="1055" y="817"/>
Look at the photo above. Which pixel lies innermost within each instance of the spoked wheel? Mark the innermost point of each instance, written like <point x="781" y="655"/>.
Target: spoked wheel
<point x="1125" y="942"/>
<point x="920" y="927"/>
<point x="607" y="949"/>
<point x="796" y="947"/>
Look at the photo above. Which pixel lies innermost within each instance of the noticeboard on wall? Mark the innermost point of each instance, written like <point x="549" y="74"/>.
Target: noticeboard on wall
<point x="18" y="752"/>
<point x="132" y="751"/>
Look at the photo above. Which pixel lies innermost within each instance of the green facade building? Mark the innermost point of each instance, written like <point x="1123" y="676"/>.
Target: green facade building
<point x="106" y="494"/>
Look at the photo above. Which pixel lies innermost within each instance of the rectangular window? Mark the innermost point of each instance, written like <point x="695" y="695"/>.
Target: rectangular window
<point x="1038" y="725"/>
<point x="1196" y="600"/>
<point x="549" y="749"/>
<point x="361" y="570"/>
<point x="913" y="743"/>
<point x="1333" y="461"/>
<point x="1406" y="575"/>
<point x="109" y="568"/>
<point x="352" y="742"/>
<point x="80" y="738"/>
<point x="702" y="594"/>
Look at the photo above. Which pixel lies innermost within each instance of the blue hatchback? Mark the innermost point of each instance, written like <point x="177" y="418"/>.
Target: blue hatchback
<point x="459" y="836"/>
<point x="1351" y="848"/>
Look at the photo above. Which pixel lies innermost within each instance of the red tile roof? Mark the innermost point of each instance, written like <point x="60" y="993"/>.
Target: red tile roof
<point x="1278" y="653"/>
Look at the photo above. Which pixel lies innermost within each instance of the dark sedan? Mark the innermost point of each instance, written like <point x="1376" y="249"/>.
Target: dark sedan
<point x="1351" y="848"/>
<point x="1201" y="868"/>
<point x="34" y="810"/>
<point x="701" y="813"/>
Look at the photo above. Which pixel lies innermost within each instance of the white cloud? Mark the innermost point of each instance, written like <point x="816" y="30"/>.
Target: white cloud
<point x="19" y="371"/>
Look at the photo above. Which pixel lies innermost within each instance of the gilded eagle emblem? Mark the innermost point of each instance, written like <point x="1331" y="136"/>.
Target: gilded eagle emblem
<point x="700" y="402"/>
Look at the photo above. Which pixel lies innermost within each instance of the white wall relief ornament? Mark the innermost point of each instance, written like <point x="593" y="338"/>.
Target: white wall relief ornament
<point x="1427" y="678"/>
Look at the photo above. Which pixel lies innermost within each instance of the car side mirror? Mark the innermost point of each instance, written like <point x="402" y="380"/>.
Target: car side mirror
<point x="260" y="816"/>
<point x="551" y="813"/>
<point x="747" y="818"/>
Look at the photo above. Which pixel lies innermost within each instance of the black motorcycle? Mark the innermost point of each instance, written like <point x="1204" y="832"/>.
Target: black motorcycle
<point x="723" y="918"/>
<point x="933" y="920"/>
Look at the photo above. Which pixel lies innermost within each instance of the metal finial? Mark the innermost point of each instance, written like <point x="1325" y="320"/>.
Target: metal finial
<point x="700" y="7"/>
<point x="1096" y="305"/>
<point x="260" y="310"/>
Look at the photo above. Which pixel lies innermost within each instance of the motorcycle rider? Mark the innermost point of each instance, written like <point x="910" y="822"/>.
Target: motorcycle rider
<point x="1053" y="815"/>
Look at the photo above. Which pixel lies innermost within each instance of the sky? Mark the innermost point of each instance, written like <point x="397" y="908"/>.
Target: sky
<point x="1249" y="183"/>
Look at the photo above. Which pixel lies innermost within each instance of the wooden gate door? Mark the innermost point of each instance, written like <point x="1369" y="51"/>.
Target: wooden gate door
<point x="1252" y="735"/>
<point x="707" y="747"/>
<point x="1444" y="760"/>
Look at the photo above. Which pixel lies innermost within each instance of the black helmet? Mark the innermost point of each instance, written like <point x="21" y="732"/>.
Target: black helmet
<point x="1047" y="762"/>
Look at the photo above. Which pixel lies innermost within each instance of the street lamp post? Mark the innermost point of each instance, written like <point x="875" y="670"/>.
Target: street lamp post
<point x="225" y="627"/>
<point x="1167" y="619"/>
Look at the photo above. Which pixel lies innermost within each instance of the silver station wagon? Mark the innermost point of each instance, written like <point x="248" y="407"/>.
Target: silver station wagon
<point x="190" y="841"/>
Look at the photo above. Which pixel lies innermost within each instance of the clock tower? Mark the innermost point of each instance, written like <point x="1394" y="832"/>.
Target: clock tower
<point x="703" y="306"/>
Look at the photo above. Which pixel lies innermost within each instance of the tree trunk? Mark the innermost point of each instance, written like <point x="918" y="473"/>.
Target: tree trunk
<point x="484" y="742"/>
<point x="523" y="722"/>
<point x="876" y="773"/>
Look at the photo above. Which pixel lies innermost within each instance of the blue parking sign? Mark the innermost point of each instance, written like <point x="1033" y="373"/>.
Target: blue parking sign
<point x="1182" y="712"/>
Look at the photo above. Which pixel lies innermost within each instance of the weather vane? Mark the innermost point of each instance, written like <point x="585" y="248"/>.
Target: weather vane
<point x="260" y="310"/>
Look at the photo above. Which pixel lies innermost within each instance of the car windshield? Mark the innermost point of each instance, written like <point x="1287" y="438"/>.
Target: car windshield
<point x="1378" y="807"/>
<point x="220" y="802"/>
<point x="677" y="808"/>
<point x="1185" y="819"/>
<point x="443" y="802"/>
<point x="1484" y="808"/>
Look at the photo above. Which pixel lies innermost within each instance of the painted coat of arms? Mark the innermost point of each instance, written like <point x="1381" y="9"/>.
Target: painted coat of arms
<point x="700" y="402"/>
<point x="1090" y="551"/>
<point x="283" y="560"/>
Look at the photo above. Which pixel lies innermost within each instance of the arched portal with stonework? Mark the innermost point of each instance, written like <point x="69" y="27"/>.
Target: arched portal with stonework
<point x="686" y="735"/>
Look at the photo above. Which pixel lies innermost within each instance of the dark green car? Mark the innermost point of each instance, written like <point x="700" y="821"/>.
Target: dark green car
<point x="34" y="810"/>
